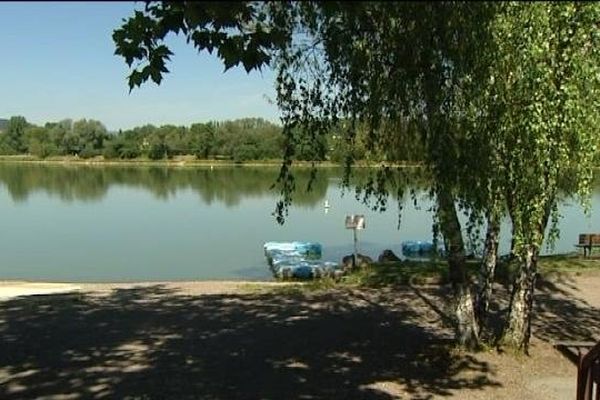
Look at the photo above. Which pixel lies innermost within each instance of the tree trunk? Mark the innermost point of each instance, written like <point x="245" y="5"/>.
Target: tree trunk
<point x="487" y="271"/>
<point x="518" y="329"/>
<point x="466" y="329"/>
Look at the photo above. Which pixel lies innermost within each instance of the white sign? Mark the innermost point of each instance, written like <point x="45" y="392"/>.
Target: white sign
<point x="355" y="221"/>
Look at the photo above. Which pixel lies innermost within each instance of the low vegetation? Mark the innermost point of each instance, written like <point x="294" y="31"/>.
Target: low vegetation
<point x="435" y="272"/>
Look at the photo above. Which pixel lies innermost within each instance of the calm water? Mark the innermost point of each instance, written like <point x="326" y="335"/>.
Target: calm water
<point x="68" y="223"/>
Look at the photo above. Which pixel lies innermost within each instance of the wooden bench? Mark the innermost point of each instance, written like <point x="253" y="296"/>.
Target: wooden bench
<point x="588" y="375"/>
<point x="588" y="241"/>
<point x="573" y="350"/>
<point x="587" y="359"/>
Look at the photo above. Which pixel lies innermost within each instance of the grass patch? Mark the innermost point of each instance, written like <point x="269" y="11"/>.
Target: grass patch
<point x="285" y="288"/>
<point x="433" y="272"/>
<point x="550" y="266"/>
<point x="567" y="263"/>
<point x="294" y="287"/>
<point x="380" y="275"/>
<point x="390" y="274"/>
<point x="399" y="273"/>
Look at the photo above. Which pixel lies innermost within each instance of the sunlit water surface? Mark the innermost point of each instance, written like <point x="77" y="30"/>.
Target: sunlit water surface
<point x="89" y="223"/>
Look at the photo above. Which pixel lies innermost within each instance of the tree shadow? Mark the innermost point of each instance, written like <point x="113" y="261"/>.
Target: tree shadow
<point x="154" y="343"/>
<point x="561" y="315"/>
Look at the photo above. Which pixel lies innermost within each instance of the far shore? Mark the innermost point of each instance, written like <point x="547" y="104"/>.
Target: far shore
<point x="178" y="161"/>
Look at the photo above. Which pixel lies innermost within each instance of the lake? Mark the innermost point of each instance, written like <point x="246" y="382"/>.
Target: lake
<point x="140" y="223"/>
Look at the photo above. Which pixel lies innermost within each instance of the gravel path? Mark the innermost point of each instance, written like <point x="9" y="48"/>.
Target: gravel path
<point x="241" y="340"/>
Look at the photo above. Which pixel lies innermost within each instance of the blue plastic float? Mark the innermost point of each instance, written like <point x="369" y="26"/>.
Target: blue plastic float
<point x="299" y="260"/>
<point x="307" y="269"/>
<point x="301" y="249"/>
<point x="418" y="248"/>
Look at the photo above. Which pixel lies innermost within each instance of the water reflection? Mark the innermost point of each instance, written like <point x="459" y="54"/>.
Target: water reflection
<point x="91" y="183"/>
<point x="114" y="223"/>
<point x="225" y="185"/>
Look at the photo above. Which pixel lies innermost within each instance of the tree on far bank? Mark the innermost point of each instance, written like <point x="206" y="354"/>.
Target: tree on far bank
<point x="15" y="134"/>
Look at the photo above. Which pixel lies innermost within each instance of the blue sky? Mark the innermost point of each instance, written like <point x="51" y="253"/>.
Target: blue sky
<point x="58" y="62"/>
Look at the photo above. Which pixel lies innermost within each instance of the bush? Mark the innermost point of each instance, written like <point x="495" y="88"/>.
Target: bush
<point x="112" y="150"/>
<point x="129" y="152"/>
<point x="89" y="153"/>
<point x="244" y="152"/>
<point x="158" y="151"/>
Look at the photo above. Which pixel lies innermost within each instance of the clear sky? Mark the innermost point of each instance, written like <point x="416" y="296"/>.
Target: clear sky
<point x="57" y="61"/>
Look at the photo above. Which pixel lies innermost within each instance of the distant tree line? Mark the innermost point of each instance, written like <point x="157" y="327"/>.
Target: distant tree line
<point x="237" y="140"/>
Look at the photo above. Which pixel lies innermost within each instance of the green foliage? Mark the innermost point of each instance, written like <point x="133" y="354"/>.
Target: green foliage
<point x="239" y="140"/>
<point x="15" y="135"/>
<point x="503" y="98"/>
<point x="88" y="152"/>
<point x="57" y="133"/>
<point x="240" y="32"/>
<point x="158" y="150"/>
<point x="90" y="134"/>
<point x="399" y="273"/>
<point x="129" y="151"/>
<point x="203" y="140"/>
<point x="5" y="148"/>
<point x="547" y="63"/>
<point x="112" y="149"/>
<point x="38" y="142"/>
<point x="387" y="76"/>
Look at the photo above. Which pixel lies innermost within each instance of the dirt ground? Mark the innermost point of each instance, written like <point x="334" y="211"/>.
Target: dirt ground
<point x="224" y="340"/>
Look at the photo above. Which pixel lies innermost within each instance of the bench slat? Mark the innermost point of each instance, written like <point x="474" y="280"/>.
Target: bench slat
<point x="574" y="343"/>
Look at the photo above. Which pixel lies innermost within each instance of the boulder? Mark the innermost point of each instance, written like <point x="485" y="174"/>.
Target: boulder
<point x="387" y="256"/>
<point x="361" y="262"/>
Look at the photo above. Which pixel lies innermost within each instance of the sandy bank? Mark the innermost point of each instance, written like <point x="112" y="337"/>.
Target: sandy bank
<point x="12" y="289"/>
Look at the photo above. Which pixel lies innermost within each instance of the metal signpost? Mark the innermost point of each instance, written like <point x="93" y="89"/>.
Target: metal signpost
<point x="355" y="222"/>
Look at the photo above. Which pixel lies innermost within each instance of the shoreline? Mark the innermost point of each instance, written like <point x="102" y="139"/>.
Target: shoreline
<point x="180" y="161"/>
<point x="14" y="288"/>
<point x="10" y="289"/>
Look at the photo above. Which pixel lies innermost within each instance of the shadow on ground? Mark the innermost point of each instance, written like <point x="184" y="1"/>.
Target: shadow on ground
<point x="561" y="315"/>
<point x="152" y="343"/>
<point x="565" y="319"/>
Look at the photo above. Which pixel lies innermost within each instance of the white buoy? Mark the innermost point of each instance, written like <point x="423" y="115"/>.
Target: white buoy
<point x="326" y="204"/>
